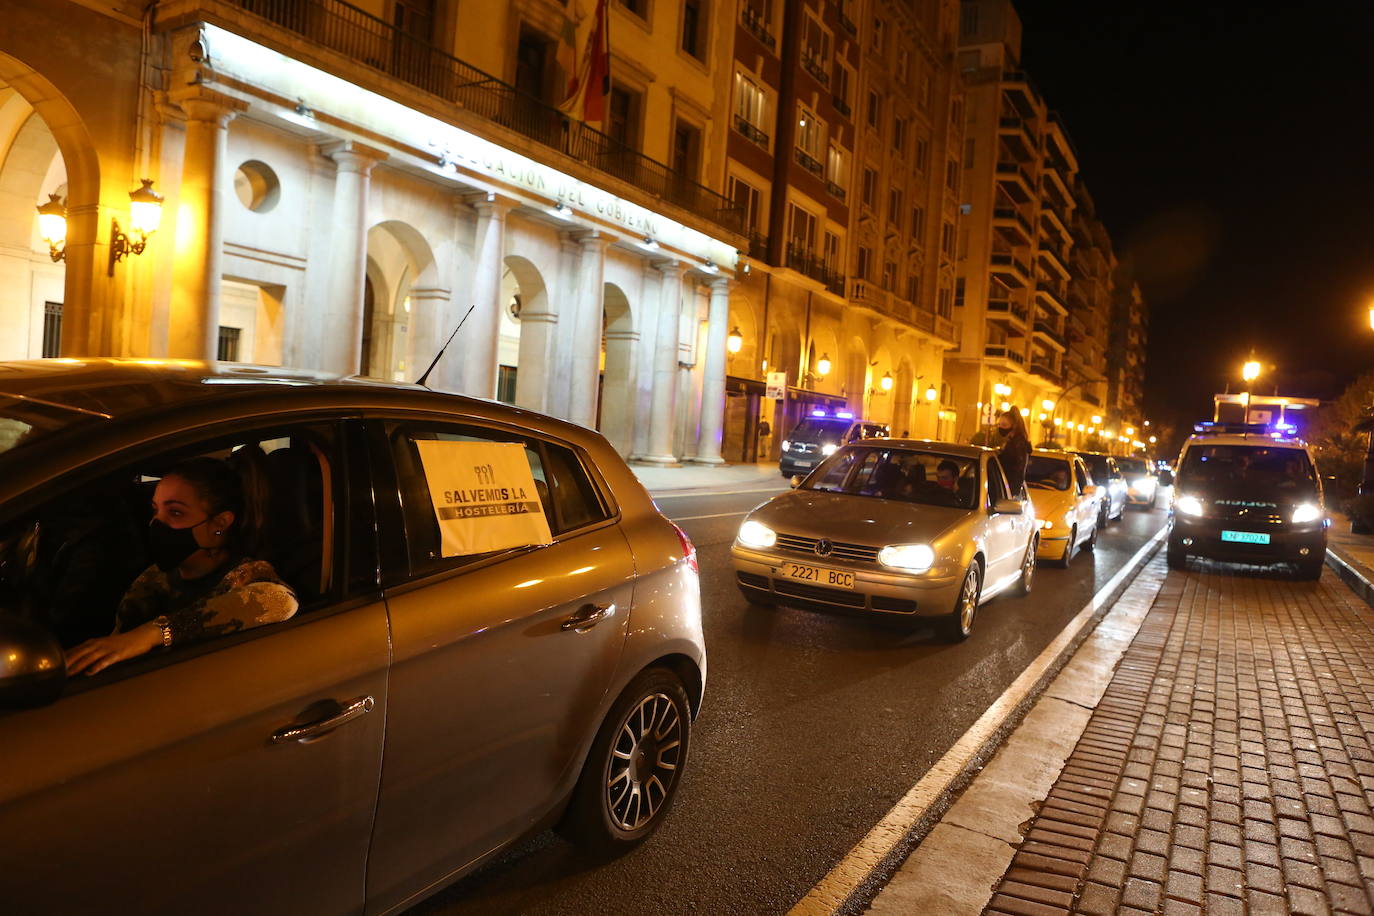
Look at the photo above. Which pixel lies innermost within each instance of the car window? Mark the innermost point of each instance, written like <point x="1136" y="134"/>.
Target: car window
<point x="1046" y="473"/>
<point x="1134" y="466"/>
<point x="1081" y="473"/>
<point x="84" y="564"/>
<point x="576" y="501"/>
<point x="997" y="482"/>
<point x="907" y="475"/>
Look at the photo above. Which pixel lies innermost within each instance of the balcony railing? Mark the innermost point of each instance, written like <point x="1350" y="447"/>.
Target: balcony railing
<point x="1011" y="213"/>
<point x="806" y="263"/>
<point x="758" y="245"/>
<point x="751" y="132"/>
<point x="1007" y="259"/>
<point x="1001" y="351"/>
<point x="754" y="24"/>
<point x="845" y="22"/>
<point x="1007" y="307"/>
<point x="1045" y="370"/>
<point x="375" y="43"/>
<point x="1050" y="331"/>
<point x="806" y="161"/>
<point x="835" y="190"/>
<point x="811" y="62"/>
<point x="841" y="105"/>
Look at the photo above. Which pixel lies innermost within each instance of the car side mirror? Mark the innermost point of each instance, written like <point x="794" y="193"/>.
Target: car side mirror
<point x="33" y="669"/>
<point x="1006" y="507"/>
<point x="795" y="481"/>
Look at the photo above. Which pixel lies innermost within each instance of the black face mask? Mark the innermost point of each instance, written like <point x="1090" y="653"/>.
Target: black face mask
<point x="1004" y="431"/>
<point x="171" y="546"/>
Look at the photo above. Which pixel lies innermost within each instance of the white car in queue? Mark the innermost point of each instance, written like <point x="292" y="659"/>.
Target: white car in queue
<point x="896" y="528"/>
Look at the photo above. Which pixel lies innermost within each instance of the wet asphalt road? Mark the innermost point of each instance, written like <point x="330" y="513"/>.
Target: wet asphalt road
<point x="813" y="727"/>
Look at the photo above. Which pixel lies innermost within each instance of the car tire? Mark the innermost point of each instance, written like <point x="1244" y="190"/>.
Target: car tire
<point x="1091" y="543"/>
<point x="1176" y="556"/>
<point x="959" y="624"/>
<point x="620" y="798"/>
<point x="1102" y="519"/>
<point x="1027" y="580"/>
<point x="1067" y="559"/>
<point x="1120" y="513"/>
<point x="1309" y="569"/>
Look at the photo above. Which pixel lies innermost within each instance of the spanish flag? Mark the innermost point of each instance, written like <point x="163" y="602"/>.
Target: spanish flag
<point x="588" y="90"/>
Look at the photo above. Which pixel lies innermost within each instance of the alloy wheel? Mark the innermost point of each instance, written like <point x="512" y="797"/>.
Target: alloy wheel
<point x="644" y="762"/>
<point x="968" y="600"/>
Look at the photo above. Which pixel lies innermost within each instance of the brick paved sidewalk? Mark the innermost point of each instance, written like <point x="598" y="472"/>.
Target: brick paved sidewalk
<point x="1228" y="768"/>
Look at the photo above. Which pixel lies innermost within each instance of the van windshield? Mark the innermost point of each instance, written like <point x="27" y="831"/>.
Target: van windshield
<point x="820" y="429"/>
<point x="1235" y="470"/>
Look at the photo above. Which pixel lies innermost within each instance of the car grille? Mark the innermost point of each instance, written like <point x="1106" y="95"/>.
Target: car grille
<point x="1252" y="515"/>
<point x="818" y="593"/>
<point x="838" y="551"/>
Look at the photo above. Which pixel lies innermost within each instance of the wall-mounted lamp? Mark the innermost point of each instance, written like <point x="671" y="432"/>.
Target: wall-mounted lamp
<point x="650" y="243"/>
<point x="1048" y="405"/>
<point x="1002" y="388"/>
<point x="52" y="226"/>
<point x="1025" y="411"/>
<point x="709" y="267"/>
<point x="886" y="381"/>
<point x="734" y="341"/>
<point x="145" y="215"/>
<point x="562" y="211"/>
<point x="1005" y="406"/>
<point x="1097" y="420"/>
<point x="823" y="365"/>
<point x="932" y="394"/>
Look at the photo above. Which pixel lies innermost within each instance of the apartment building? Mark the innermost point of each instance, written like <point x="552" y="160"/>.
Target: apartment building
<point x="1035" y="263"/>
<point x="1126" y="353"/>
<point x="844" y="115"/>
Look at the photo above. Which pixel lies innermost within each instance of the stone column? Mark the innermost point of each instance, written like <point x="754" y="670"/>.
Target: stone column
<point x="713" y="380"/>
<point x="481" y="335"/>
<point x="425" y="334"/>
<point x="663" y="411"/>
<point x="343" y="310"/>
<point x="586" y="329"/>
<point x="193" y="325"/>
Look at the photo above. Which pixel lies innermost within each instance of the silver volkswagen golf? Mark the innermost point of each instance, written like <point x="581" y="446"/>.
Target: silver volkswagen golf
<point x="898" y="528"/>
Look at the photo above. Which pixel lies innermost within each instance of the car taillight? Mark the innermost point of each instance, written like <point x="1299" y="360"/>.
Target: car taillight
<point x="689" y="550"/>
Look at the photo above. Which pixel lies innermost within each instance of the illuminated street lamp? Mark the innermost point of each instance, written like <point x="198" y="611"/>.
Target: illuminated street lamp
<point x="52" y="226"/>
<point x="823" y="365"/>
<point x="1048" y="405"/>
<point x="932" y="394"/>
<point x="734" y="341"/>
<point x="886" y="381"/>
<point x="1097" y="420"/>
<point x="1250" y="371"/>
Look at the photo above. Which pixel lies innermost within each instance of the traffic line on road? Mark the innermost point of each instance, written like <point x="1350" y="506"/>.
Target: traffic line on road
<point x="706" y="492"/>
<point x="694" y="518"/>
<point x="877" y="848"/>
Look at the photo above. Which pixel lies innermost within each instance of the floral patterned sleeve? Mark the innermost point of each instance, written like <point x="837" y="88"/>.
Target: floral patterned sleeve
<point x="249" y="595"/>
<point x="143" y="600"/>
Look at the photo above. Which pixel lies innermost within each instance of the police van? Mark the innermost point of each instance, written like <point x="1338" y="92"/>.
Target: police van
<point x="818" y="435"/>
<point x="1248" y="493"/>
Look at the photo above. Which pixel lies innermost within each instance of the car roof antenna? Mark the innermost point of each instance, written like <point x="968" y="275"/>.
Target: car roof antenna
<point x="440" y="354"/>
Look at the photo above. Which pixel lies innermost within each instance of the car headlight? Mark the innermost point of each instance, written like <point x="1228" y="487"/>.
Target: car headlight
<point x="1189" y="505"/>
<point x="786" y="445"/>
<point x="1046" y="523"/>
<point x="1307" y="512"/>
<point x="1142" y="483"/>
<point x="756" y="534"/>
<point x="829" y="448"/>
<point x="913" y="557"/>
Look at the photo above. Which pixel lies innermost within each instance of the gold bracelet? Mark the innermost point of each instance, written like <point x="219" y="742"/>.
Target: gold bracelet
<point x="165" y="626"/>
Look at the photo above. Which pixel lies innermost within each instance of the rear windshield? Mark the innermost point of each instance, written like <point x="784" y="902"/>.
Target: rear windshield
<point x="1248" y="469"/>
<point x="907" y="475"/>
<point x="1097" y="464"/>
<point x="1046" y="473"/>
<point x="24" y="421"/>
<point x="1133" y="466"/>
<point x="820" y="429"/>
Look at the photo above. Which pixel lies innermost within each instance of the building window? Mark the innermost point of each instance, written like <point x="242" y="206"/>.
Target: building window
<point x="899" y="134"/>
<point x="942" y="304"/>
<point x="532" y="56"/>
<point x="968" y="20"/>
<point x="894" y="206"/>
<point x="639" y="7"/>
<point x="903" y="68"/>
<point x="918" y="224"/>
<point x="694" y="28"/>
<point x="862" y="259"/>
<point x="923" y="154"/>
<point x="622" y="116"/>
<point x="52" y="330"/>
<point x="505" y="384"/>
<point x="875" y="109"/>
<point x="751" y="109"/>
<point x="959" y="292"/>
<point x="831" y="252"/>
<point x="842" y="91"/>
<point x="802" y="235"/>
<point x="414" y="18"/>
<point x="747" y="198"/>
<point x="687" y="151"/>
<point x="952" y="175"/>
<point x="837" y="168"/>
<point x="869" y="192"/>
<point x="927" y="91"/>
<point x="228" y="350"/>
<point x="815" y="52"/>
<point x="947" y="239"/>
<point x="913" y="288"/>
<point x="879" y="37"/>
<point x="889" y="276"/>
<point x="968" y="153"/>
<point x="810" y="140"/>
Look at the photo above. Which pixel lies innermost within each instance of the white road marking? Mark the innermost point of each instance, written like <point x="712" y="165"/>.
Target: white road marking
<point x="851" y="871"/>
<point x="693" y="518"/>
<point x="705" y="492"/>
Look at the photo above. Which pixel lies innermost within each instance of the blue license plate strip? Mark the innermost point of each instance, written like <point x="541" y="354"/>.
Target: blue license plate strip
<point x="1245" y="537"/>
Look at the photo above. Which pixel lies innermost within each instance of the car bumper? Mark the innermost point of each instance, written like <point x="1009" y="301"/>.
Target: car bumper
<point x="1202" y="538"/>
<point x="758" y="573"/>
<point x="790" y="467"/>
<point x="1140" y="497"/>
<point x="1052" y="546"/>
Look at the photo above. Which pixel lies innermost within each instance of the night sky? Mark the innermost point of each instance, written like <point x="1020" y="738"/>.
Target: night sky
<point x="1231" y="156"/>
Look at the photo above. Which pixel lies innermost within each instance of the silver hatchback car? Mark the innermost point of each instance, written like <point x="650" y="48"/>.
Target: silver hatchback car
<point x="897" y="528"/>
<point x="492" y="629"/>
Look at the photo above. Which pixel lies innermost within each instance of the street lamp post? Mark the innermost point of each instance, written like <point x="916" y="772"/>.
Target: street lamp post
<point x="1250" y="371"/>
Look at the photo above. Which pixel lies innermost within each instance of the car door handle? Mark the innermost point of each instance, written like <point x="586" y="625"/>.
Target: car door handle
<point x="350" y="711"/>
<point x="588" y="616"/>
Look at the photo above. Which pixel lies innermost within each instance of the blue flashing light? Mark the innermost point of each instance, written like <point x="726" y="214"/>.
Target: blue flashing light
<point x="844" y="415"/>
<point x="818" y="412"/>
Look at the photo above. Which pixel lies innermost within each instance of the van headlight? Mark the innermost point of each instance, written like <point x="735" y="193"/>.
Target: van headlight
<point x="911" y="557"/>
<point x="786" y="445"/>
<point x="756" y="534"/>
<point x="829" y="448"/>
<point x="1306" y="512"/>
<point x="1188" y="505"/>
<point x="1142" y="483"/>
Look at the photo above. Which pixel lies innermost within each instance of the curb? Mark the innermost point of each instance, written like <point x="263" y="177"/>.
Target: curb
<point x="1353" y="574"/>
<point x="858" y="899"/>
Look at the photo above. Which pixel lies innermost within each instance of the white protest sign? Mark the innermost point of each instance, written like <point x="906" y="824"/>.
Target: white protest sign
<point x="777" y="386"/>
<point x="484" y="496"/>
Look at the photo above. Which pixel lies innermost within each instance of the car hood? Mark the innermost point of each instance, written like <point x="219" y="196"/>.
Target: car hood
<point x="1049" y="503"/>
<point x="857" y="519"/>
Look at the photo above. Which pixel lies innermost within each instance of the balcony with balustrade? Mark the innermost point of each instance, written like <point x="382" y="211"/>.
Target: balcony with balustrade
<point x="1012" y="271"/>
